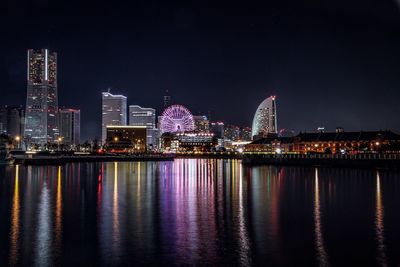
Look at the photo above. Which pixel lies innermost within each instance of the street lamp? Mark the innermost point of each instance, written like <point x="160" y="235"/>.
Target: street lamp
<point x="59" y="139"/>
<point x="18" y="139"/>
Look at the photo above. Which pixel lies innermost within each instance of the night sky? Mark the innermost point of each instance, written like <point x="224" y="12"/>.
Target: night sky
<point x="330" y="63"/>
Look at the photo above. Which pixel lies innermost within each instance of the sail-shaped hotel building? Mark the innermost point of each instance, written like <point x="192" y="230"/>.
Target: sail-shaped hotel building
<point x="264" y="121"/>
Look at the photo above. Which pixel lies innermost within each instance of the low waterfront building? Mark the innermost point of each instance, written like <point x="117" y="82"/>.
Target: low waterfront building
<point x="188" y="141"/>
<point x="126" y="139"/>
<point x="271" y="144"/>
<point x="330" y="142"/>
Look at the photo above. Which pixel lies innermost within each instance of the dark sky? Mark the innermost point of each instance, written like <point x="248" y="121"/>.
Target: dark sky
<point x="330" y="63"/>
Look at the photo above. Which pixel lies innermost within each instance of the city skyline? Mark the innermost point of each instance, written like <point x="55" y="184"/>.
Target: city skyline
<point x="200" y="133"/>
<point x="312" y="58"/>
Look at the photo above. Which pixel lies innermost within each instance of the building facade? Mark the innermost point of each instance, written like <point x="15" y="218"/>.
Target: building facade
<point x="232" y="132"/>
<point x="70" y="126"/>
<point x="41" y="120"/>
<point x="139" y="116"/>
<point x="188" y="142"/>
<point x="265" y="119"/>
<point x="201" y="123"/>
<point x="114" y="112"/>
<point x="330" y="143"/>
<point x="126" y="139"/>
<point x="12" y="120"/>
<point x="245" y="134"/>
<point x="218" y="129"/>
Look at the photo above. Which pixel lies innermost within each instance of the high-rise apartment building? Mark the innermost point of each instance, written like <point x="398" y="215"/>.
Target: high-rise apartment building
<point x="265" y="121"/>
<point x="245" y="134"/>
<point x="70" y="126"/>
<point x="218" y="128"/>
<point x="201" y="123"/>
<point x="232" y="132"/>
<point x="12" y="121"/>
<point x="114" y="112"/>
<point x="139" y="116"/>
<point x="41" y="125"/>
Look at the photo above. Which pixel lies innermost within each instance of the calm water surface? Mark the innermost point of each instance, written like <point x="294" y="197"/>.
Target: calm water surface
<point x="198" y="212"/>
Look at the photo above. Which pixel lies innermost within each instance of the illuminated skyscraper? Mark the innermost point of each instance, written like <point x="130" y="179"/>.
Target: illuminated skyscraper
<point x="139" y="116"/>
<point x="70" y="126"/>
<point x="114" y="112"/>
<point x="41" y="125"/>
<point x="264" y="121"/>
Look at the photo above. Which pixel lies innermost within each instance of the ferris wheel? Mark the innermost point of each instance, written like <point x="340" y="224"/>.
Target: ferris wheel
<point x="176" y="118"/>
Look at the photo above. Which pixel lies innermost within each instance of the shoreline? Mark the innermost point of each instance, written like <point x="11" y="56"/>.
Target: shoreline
<point x="366" y="161"/>
<point x="61" y="160"/>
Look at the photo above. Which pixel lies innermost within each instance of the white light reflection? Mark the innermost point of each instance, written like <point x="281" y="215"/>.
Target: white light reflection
<point x="116" y="233"/>
<point x="319" y="241"/>
<point x="244" y="239"/>
<point x="379" y="224"/>
<point x="43" y="235"/>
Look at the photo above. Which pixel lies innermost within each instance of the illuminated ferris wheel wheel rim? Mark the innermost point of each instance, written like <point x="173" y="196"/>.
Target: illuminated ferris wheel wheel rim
<point x="176" y="118"/>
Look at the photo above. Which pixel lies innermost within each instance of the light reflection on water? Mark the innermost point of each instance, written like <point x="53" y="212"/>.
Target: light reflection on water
<point x="319" y="240"/>
<point x="379" y="223"/>
<point x="58" y="215"/>
<point x="43" y="233"/>
<point x="197" y="211"/>
<point x="15" y="221"/>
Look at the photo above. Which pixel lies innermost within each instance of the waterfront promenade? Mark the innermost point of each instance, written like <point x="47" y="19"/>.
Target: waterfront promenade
<point x="362" y="160"/>
<point x="62" y="159"/>
<point x="59" y="159"/>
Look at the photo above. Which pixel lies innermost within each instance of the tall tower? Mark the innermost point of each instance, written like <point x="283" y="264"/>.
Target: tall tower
<point x="167" y="99"/>
<point x="265" y="121"/>
<point x="114" y="112"/>
<point x="41" y="121"/>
